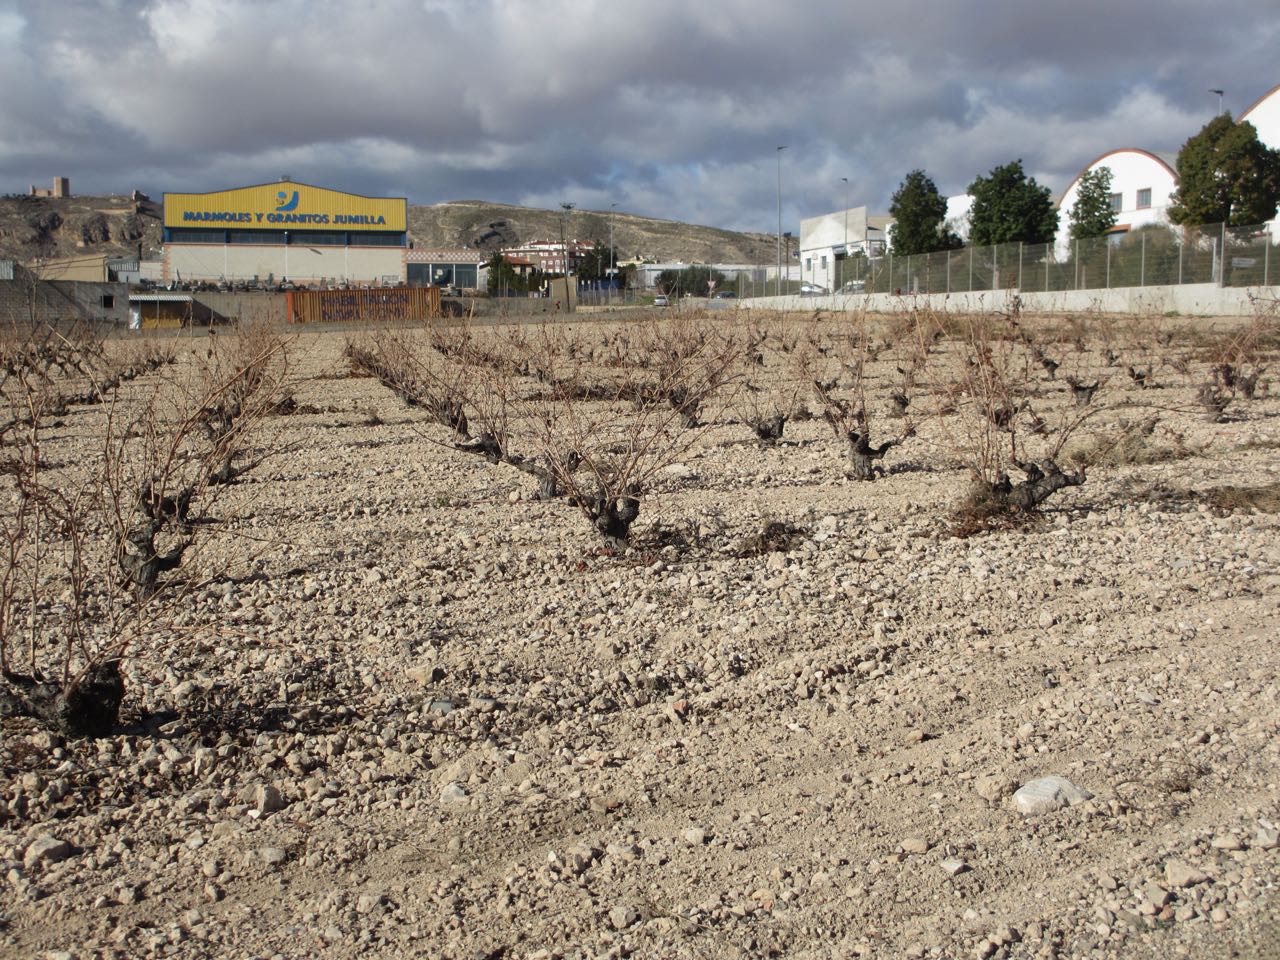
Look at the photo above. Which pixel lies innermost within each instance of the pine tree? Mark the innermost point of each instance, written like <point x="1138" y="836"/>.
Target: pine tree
<point x="919" y="212"/>
<point x="1092" y="214"/>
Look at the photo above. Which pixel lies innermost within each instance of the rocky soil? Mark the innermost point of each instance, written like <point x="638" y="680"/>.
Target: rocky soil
<point x="425" y="715"/>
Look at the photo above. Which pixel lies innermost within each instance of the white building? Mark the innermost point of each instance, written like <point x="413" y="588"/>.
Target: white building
<point x="826" y="241"/>
<point x="1142" y="187"/>
<point x="1264" y="114"/>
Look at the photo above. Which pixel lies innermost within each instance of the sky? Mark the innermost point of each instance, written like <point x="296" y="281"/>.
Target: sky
<point x="664" y="108"/>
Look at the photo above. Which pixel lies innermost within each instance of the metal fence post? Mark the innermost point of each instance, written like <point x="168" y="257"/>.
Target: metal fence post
<point x="970" y="270"/>
<point x="1266" y="260"/>
<point x="1019" y="265"/>
<point x="1108" y="243"/>
<point x="1077" y="285"/>
<point x="948" y="271"/>
<point x="1142" y="266"/>
<point x="1180" y="248"/>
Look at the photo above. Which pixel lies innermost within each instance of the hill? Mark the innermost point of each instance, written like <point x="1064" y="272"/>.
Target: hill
<point x="47" y="227"/>
<point x="489" y="226"/>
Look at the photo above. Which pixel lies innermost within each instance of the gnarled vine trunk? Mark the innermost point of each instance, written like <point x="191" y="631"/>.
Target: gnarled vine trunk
<point x="88" y="709"/>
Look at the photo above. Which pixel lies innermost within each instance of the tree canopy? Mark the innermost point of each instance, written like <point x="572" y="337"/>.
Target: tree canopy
<point x="919" y="212"/>
<point x="1008" y="206"/>
<point x="1226" y="175"/>
<point x="1092" y="214"/>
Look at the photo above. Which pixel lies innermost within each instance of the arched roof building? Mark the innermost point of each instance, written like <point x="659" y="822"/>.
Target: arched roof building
<point x="1264" y="114"/>
<point x="1142" y="187"/>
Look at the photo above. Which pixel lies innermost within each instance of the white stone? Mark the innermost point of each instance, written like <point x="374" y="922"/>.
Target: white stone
<point x="1048" y="794"/>
<point x="453" y="793"/>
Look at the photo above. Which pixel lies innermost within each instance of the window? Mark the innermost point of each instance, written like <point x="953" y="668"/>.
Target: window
<point x="108" y="301"/>
<point x="824" y="263"/>
<point x="1117" y="202"/>
<point x="1144" y="198"/>
<point x="808" y="263"/>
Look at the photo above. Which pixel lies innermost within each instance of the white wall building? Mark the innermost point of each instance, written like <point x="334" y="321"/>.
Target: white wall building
<point x="1264" y="114"/>
<point x="826" y="240"/>
<point x="1142" y="187"/>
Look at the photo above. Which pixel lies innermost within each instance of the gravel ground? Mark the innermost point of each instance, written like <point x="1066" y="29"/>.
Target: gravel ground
<point x="425" y="715"/>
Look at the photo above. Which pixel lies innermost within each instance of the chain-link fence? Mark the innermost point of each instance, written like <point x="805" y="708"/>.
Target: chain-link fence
<point x="1147" y="256"/>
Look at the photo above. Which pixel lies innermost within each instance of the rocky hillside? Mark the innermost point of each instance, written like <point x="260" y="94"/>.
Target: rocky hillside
<point x="489" y="226"/>
<point x="47" y="227"/>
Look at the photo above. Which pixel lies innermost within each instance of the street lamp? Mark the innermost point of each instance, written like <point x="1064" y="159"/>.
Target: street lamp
<point x="777" y="289"/>
<point x="1219" y="93"/>
<point x="845" y="258"/>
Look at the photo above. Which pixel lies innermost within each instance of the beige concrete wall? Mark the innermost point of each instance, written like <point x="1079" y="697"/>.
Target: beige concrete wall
<point x="1190" y="299"/>
<point x="299" y="263"/>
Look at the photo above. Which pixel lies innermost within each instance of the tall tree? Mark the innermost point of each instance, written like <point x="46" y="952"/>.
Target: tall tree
<point x="919" y="214"/>
<point x="1092" y="214"/>
<point x="1009" y="206"/>
<point x="1226" y="175"/>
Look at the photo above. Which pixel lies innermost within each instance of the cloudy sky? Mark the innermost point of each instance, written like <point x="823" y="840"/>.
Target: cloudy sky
<point x="668" y="109"/>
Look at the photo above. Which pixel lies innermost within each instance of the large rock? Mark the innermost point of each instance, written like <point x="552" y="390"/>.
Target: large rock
<point x="1048" y="794"/>
<point x="1180" y="874"/>
<point x="46" y="849"/>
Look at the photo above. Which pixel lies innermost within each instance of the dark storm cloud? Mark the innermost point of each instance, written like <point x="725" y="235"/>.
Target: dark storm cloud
<point x="668" y="109"/>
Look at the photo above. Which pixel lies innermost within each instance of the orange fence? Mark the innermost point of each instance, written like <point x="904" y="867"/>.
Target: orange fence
<point x="363" y="306"/>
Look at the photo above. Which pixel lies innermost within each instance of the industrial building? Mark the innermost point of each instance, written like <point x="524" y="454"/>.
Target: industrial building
<point x="826" y="241"/>
<point x="285" y="231"/>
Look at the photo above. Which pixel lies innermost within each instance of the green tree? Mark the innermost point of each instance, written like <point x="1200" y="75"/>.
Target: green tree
<point x="919" y="214"/>
<point x="1008" y="206"/>
<point x="1226" y="175"/>
<point x="1092" y="214"/>
<point x="691" y="280"/>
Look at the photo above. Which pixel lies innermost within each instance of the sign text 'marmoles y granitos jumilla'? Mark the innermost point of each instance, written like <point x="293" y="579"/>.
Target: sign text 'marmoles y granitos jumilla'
<point x="285" y="205"/>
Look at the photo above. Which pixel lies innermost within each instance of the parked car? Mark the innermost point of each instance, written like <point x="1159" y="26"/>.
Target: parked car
<point x="854" y="286"/>
<point x="726" y="295"/>
<point x="812" y="290"/>
<point x="661" y="301"/>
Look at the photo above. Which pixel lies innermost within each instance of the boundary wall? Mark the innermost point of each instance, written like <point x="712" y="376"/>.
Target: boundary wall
<point x="1192" y="299"/>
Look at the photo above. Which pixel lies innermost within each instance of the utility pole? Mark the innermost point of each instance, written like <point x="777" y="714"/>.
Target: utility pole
<point x="777" y="288"/>
<point x="845" y="259"/>
<point x="564" y="252"/>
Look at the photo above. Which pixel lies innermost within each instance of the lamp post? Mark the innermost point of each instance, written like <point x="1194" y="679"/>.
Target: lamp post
<point x="1219" y="93"/>
<point x="777" y="287"/>
<point x="845" y="258"/>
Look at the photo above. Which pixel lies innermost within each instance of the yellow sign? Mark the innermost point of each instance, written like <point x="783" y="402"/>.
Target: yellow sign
<point x="285" y="206"/>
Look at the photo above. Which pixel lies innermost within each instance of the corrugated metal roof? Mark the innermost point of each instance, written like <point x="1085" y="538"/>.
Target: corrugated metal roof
<point x="6" y="269"/>
<point x="160" y="298"/>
